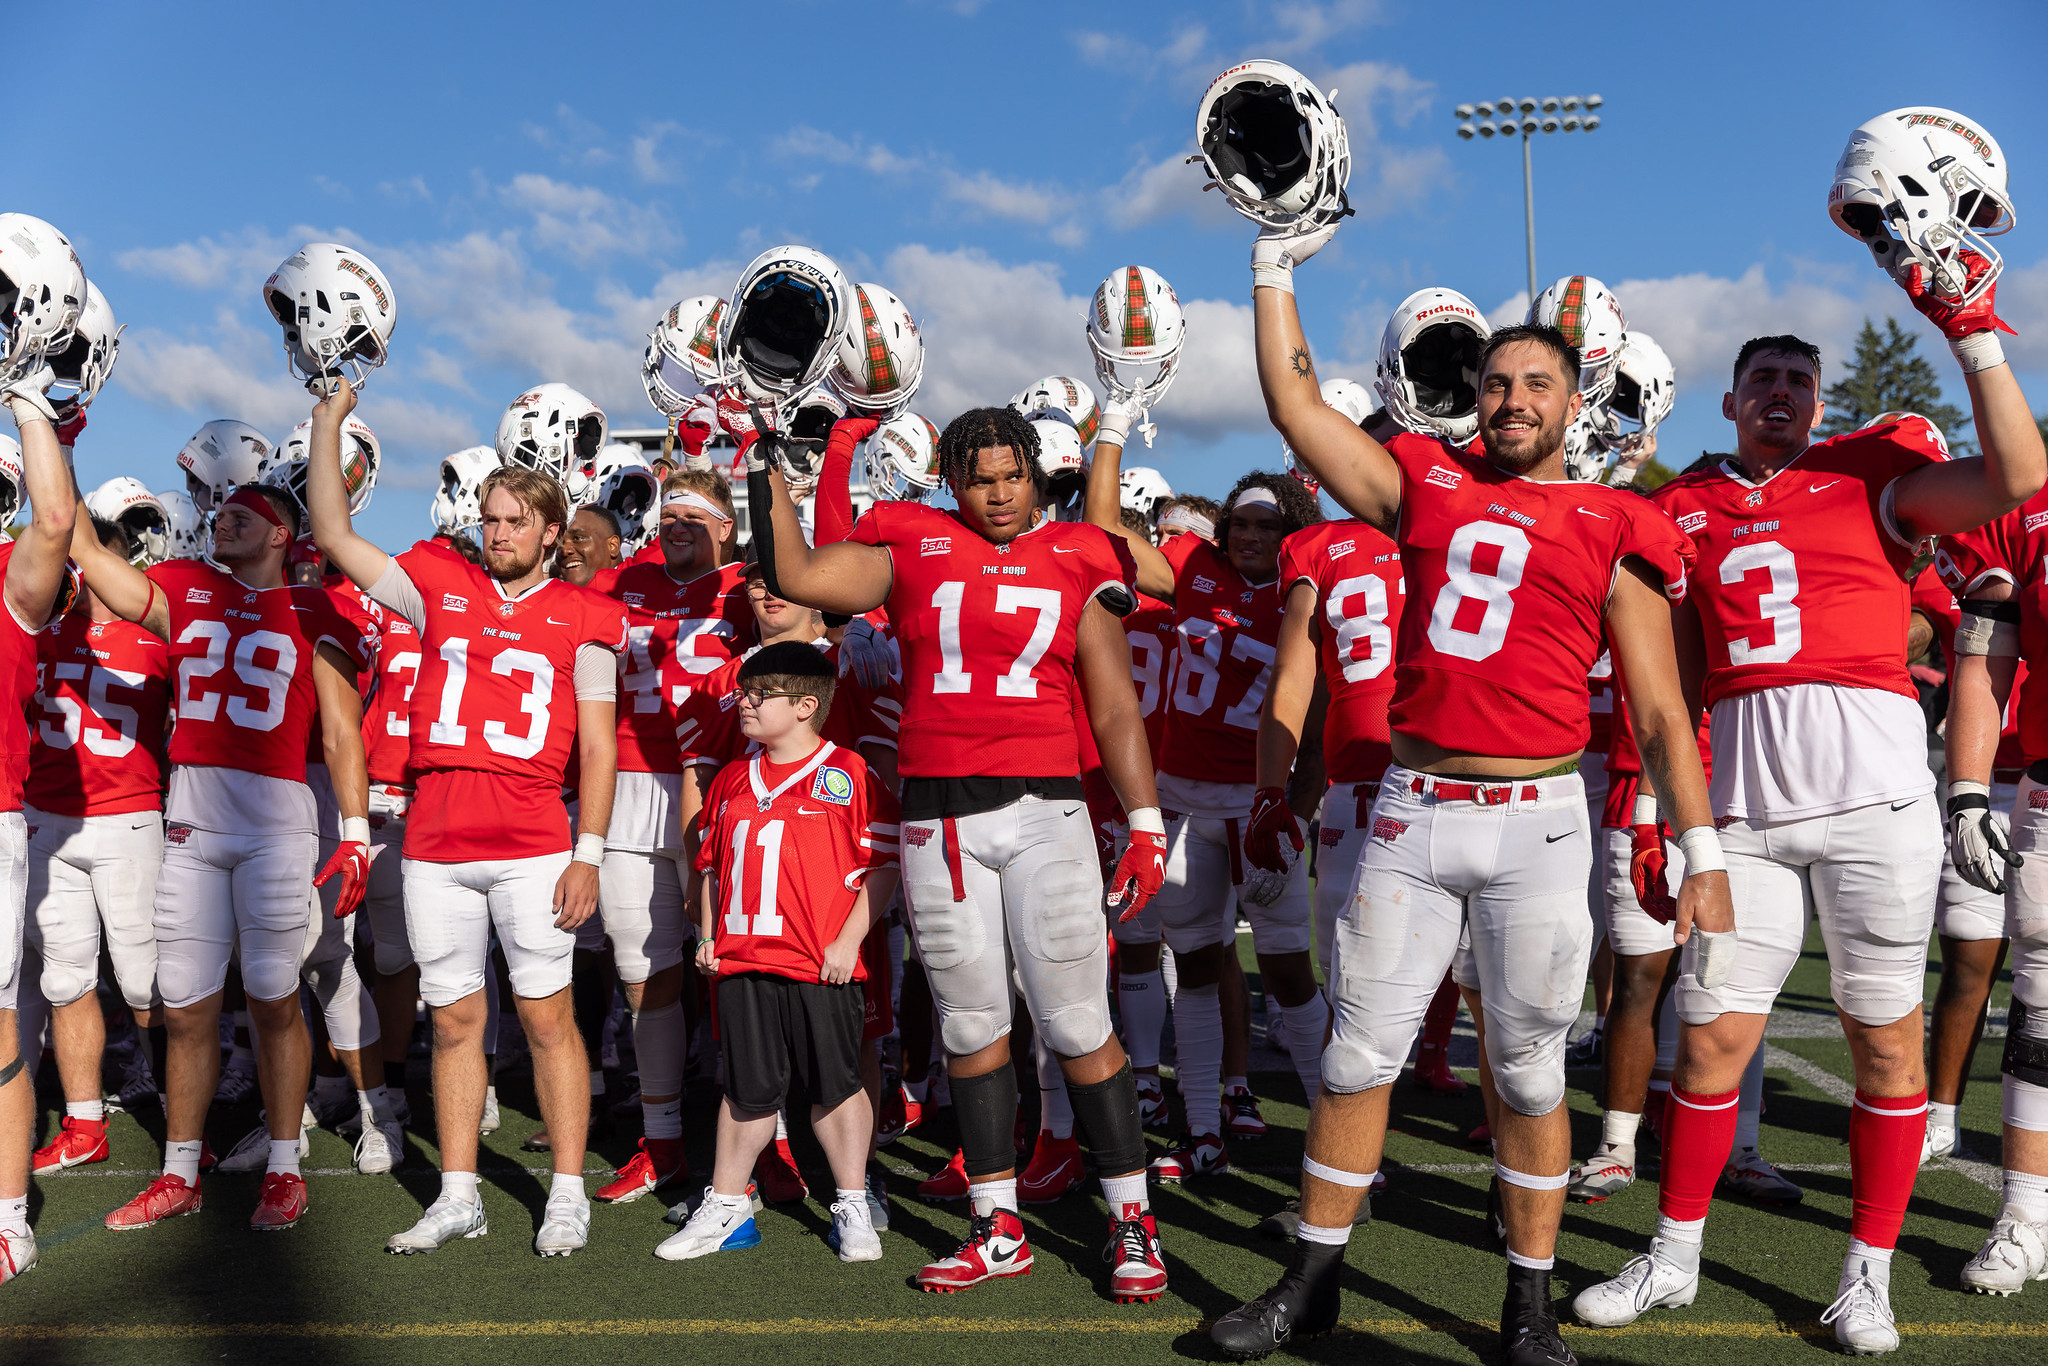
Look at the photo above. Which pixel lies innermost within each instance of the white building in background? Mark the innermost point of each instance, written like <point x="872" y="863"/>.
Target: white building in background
<point x="650" y="441"/>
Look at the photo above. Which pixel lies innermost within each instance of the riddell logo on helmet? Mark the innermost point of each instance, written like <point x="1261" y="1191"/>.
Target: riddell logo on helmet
<point x="1968" y="134"/>
<point x="1458" y="309"/>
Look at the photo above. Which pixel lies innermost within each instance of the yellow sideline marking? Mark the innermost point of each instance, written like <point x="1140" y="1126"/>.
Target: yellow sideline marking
<point x="1397" y="1327"/>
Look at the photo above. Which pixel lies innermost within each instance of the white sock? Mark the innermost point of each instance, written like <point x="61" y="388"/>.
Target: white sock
<point x="1141" y="1001"/>
<point x="182" y="1160"/>
<point x="781" y="1126"/>
<point x="568" y="1183"/>
<point x="14" y="1214"/>
<point x="1056" y="1111"/>
<point x="94" y="1111"/>
<point x="1119" y="1191"/>
<point x="915" y="1090"/>
<point x="989" y="1196"/>
<point x="1599" y="1024"/>
<point x="284" y="1156"/>
<point x="1681" y="1239"/>
<point x="2026" y="1197"/>
<point x="1534" y="1263"/>
<point x="329" y="1088"/>
<point x="1305" y="1024"/>
<point x="1198" y="1033"/>
<point x="1618" y="1133"/>
<point x="1232" y="1085"/>
<point x="459" y="1186"/>
<point x="1940" y="1116"/>
<point x="1329" y="1237"/>
<point x="1865" y="1260"/>
<point x="854" y="1199"/>
<point x="375" y="1104"/>
<point x="662" y="1119"/>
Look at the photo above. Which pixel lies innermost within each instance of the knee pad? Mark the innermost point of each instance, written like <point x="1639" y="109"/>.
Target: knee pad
<point x="1077" y="1030"/>
<point x="2026" y="1104"/>
<point x="270" y="976"/>
<point x="1355" y="1060"/>
<point x="62" y="983"/>
<point x="965" y="1032"/>
<point x="1529" y="1078"/>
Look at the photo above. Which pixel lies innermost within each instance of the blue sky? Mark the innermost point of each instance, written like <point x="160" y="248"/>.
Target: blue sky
<point x="539" y="187"/>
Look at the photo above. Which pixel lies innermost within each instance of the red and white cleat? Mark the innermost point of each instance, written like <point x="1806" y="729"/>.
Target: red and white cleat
<point x="280" y="1204"/>
<point x="899" y="1115"/>
<point x="995" y="1247"/>
<point x="1195" y="1155"/>
<point x="1245" y="1120"/>
<point x="776" y="1175"/>
<point x="78" y="1142"/>
<point x="1152" y="1109"/>
<point x="1432" y="1072"/>
<point x="1055" y="1169"/>
<point x="1137" y="1268"/>
<point x="948" y="1183"/>
<point x="659" y="1161"/>
<point x="17" y="1253"/>
<point x="164" y="1198"/>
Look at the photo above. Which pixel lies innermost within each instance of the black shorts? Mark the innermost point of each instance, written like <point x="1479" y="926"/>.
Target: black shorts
<point x="772" y="1027"/>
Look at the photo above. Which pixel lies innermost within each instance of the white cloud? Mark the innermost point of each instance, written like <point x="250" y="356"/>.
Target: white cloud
<point x="804" y="143"/>
<point x="1022" y="201"/>
<point x="1152" y="191"/>
<point x="585" y="222"/>
<point x="575" y="139"/>
<point x="1303" y="25"/>
<point x="210" y="263"/>
<point x="1702" y="320"/>
<point x="648" y="162"/>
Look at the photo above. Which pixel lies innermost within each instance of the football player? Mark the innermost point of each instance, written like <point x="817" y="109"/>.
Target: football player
<point x="1481" y="826"/>
<point x="487" y="842"/>
<point x="36" y="583"/>
<point x="1820" y="775"/>
<point x="1000" y="618"/>
<point x="590" y="546"/>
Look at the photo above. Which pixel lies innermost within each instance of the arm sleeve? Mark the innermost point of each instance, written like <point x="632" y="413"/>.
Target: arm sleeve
<point x="597" y="673"/>
<point x="395" y="589"/>
<point x="835" y="495"/>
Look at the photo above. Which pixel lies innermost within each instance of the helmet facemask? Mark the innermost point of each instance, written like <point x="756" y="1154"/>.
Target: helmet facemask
<point x="1258" y="141"/>
<point x="1442" y="369"/>
<point x="783" y="323"/>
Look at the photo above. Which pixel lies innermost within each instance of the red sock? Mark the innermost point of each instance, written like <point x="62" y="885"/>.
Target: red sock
<point x="1699" y="1131"/>
<point x="1885" y="1133"/>
<point x="1441" y="1015"/>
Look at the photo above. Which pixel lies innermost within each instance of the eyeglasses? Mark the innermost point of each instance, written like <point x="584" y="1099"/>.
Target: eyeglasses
<point x="754" y="697"/>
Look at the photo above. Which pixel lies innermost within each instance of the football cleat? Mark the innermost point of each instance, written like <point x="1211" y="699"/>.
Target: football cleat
<point x="853" y="1234"/>
<point x="1283" y="1225"/>
<point x="1647" y="1282"/>
<point x="281" y="1202"/>
<point x="1054" y="1170"/>
<point x="444" y="1220"/>
<point x="78" y="1143"/>
<point x="1194" y="1155"/>
<point x="878" y="1198"/>
<point x="1528" y="1325"/>
<point x="659" y="1161"/>
<point x="1942" y="1141"/>
<point x="948" y="1183"/>
<point x="537" y="1141"/>
<point x="1862" y="1316"/>
<point x="490" y="1121"/>
<point x="1152" y="1107"/>
<point x="713" y="1227"/>
<point x="1432" y="1072"/>
<point x="1587" y="1050"/>
<point x="564" y="1225"/>
<point x="252" y="1153"/>
<point x="1480" y="1137"/>
<point x="138" y="1083"/>
<point x="1137" y="1267"/>
<point x="1752" y="1178"/>
<point x="776" y="1174"/>
<point x="2015" y="1253"/>
<point x="1601" y="1176"/>
<point x="330" y="1112"/>
<point x="237" y="1081"/>
<point x="380" y="1147"/>
<point x="1245" y="1120"/>
<point x="17" y="1253"/>
<point x="899" y="1115"/>
<point x="1299" y="1307"/>
<point x="995" y="1247"/>
<point x="164" y="1198"/>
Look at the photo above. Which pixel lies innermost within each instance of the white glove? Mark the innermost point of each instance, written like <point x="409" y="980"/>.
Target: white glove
<point x="866" y="654"/>
<point x="29" y="397"/>
<point x="1277" y="251"/>
<point x="1262" y="886"/>
<point x="1115" y="425"/>
<point x="1978" y="838"/>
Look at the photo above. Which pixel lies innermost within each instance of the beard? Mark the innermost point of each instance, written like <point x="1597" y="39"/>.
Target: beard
<point x="514" y="565"/>
<point x="1525" y="455"/>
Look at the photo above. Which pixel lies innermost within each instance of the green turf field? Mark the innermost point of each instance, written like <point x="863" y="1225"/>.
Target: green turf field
<point x="1423" y="1285"/>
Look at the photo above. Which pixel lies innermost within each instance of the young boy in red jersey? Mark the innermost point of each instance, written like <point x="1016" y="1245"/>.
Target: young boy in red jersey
<point x="790" y="841"/>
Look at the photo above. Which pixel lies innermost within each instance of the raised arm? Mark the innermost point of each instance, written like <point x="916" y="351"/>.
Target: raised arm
<point x="35" y="571"/>
<point x="127" y="592"/>
<point x="1103" y="503"/>
<point x="845" y="577"/>
<point x="327" y="496"/>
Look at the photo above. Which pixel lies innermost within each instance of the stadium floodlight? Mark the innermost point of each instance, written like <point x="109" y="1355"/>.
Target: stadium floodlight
<point x="1528" y="116"/>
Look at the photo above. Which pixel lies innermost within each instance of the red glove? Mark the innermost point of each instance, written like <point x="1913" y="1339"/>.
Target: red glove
<point x="1646" y="872"/>
<point x="1956" y="320"/>
<point x="70" y="423"/>
<point x="735" y="417"/>
<point x="695" y="425"/>
<point x="1271" y="818"/>
<point x="351" y="863"/>
<point x="1141" y="874"/>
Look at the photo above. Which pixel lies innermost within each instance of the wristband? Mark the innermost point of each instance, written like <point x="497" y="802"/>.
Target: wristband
<point x="1147" y="819"/>
<point x="1964" y="795"/>
<point x="1115" y="425"/>
<point x="1702" y="850"/>
<point x="355" y="830"/>
<point x="1275" y="274"/>
<point x="589" y="849"/>
<point x="1645" y="810"/>
<point x="1978" y="351"/>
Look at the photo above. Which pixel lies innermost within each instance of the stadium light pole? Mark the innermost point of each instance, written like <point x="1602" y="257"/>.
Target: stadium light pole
<point x="1528" y="116"/>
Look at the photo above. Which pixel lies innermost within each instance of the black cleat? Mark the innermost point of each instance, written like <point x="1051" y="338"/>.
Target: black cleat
<point x="1303" y="1305"/>
<point x="1528" y="1325"/>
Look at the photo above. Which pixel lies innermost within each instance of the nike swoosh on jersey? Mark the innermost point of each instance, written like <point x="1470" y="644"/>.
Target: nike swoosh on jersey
<point x="1601" y="515"/>
<point x="1816" y="488"/>
<point x="1901" y="806"/>
<point x="1066" y="549"/>
<point x="806" y="811"/>
<point x="1553" y="839"/>
<point x="553" y="622"/>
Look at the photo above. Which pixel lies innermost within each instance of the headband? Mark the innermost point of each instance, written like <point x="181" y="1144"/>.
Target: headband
<point x="1256" y="496"/>
<point x="694" y="499"/>
<point x="249" y="498"/>
<point x="1186" y="519"/>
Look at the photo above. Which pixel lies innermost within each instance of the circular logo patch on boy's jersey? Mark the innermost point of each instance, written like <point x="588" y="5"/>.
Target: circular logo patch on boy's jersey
<point x="833" y="785"/>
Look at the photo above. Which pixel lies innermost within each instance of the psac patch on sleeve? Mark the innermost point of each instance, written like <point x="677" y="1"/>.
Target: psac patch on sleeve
<point x="833" y="785"/>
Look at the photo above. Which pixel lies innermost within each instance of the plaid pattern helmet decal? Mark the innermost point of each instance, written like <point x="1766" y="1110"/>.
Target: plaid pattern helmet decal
<point x="1137" y="309"/>
<point x="881" y="365"/>
<point x="1571" y="311"/>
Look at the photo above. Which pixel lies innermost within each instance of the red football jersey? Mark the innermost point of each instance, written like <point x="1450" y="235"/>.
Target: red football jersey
<point x="495" y="708"/>
<point x="387" y="710"/>
<point x="1150" y="633"/>
<point x="1511" y="580"/>
<point x="790" y="846"/>
<point x="1800" y="580"/>
<point x="1226" y="632"/>
<point x="1356" y="572"/>
<point x="987" y="636"/>
<point x="2014" y="546"/>
<point x="678" y="633"/>
<point x="368" y="618"/>
<point x="104" y="689"/>
<point x="243" y="661"/>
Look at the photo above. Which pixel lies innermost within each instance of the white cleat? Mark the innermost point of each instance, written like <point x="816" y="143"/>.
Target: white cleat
<point x="716" y="1226"/>
<point x="18" y="1253"/>
<point x="2015" y="1253"/>
<point x="1862" y="1317"/>
<point x="853" y="1232"/>
<point x="445" y="1220"/>
<point x="1601" y="1176"/>
<point x="380" y="1148"/>
<point x="489" y="1123"/>
<point x="1649" y="1282"/>
<point x="564" y="1226"/>
<point x="1752" y="1178"/>
<point x="252" y="1153"/>
<point x="1942" y="1141"/>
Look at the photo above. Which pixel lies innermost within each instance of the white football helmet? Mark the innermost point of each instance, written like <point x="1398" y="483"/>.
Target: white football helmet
<point x="1142" y="489"/>
<point x="81" y="367"/>
<point x="1591" y="319"/>
<point x="682" y="353"/>
<point x="1136" y="321"/>
<point x="1919" y="185"/>
<point x="554" y="429"/>
<point x="42" y="293"/>
<point x="1912" y="428"/>
<point x="337" y="311"/>
<point x="1428" y="372"/>
<point x="1061" y="459"/>
<point x="880" y="359"/>
<point x="1348" y="397"/>
<point x="1063" y="396"/>
<point x="13" y="483"/>
<point x="624" y="484"/>
<point x="901" y="460"/>
<point x="221" y="455"/>
<point x="1274" y="145"/>
<point x="459" y="501"/>
<point x="128" y="503"/>
<point x="1589" y="443"/>
<point x="187" y="527"/>
<point x="1645" y="386"/>
<point x="360" y="458"/>
<point x="778" y="336"/>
